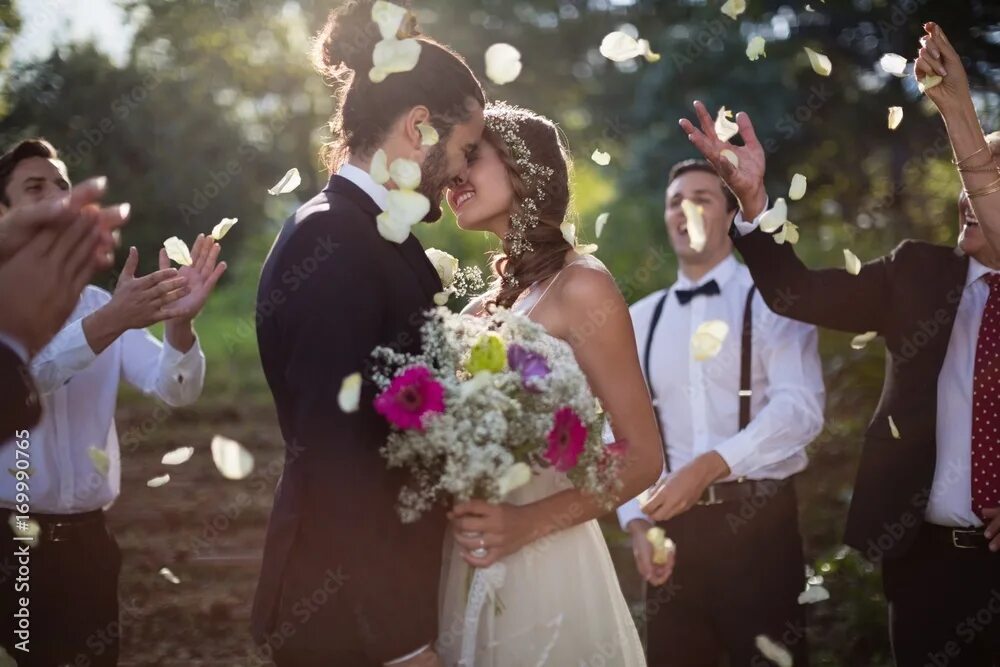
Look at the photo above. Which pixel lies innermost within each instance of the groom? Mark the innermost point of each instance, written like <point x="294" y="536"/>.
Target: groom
<point x="344" y="581"/>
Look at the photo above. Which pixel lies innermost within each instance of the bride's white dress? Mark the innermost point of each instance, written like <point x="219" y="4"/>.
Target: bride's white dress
<point x="559" y="603"/>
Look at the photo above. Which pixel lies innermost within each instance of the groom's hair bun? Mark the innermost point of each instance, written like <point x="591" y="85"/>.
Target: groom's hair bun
<point x="346" y="42"/>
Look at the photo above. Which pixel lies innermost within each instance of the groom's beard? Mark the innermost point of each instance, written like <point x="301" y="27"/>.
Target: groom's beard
<point x="434" y="181"/>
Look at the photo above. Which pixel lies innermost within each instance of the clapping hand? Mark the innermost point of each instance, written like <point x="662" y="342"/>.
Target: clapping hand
<point x="200" y="278"/>
<point x="746" y="181"/>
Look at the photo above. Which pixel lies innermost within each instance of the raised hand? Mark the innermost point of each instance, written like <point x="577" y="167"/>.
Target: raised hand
<point x="937" y="57"/>
<point x="201" y="278"/>
<point x="747" y="181"/>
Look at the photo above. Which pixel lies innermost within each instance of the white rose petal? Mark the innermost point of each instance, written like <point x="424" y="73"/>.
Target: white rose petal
<point x="602" y="220"/>
<point x="428" y="135"/>
<point x="814" y="594"/>
<point x="724" y="126"/>
<point x="928" y="82"/>
<point x="515" y="477"/>
<point x="708" y="339"/>
<point x="288" y="183"/>
<point x="789" y="233"/>
<point x="820" y="63"/>
<point x="441" y="298"/>
<point x="349" y="397"/>
<point x="568" y="230"/>
<point x="503" y="64"/>
<point x="588" y="249"/>
<point x="169" y="576"/>
<point x="601" y="158"/>
<point x="231" y="458"/>
<point x="731" y="156"/>
<point x="405" y="174"/>
<point x="774" y="652"/>
<point x="852" y="262"/>
<point x="893" y="429"/>
<point x="894" y="64"/>
<point x="177" y="456"/>
<point x="177" y="251"/>
<point x="394" y="56"/>
<point x="221" y="229"/>
<point x="797" y="190"/>
<point x="775" y="218"/>
<point x="157" y="482"/>
<point x="809" y="8"/>
<point x="446" y="265"/>
<point x="733" y="8"/>
<point x="756" y="47"/>
<point x="100" y="459"/>
<point x="859" y="342"/>
<point x="389" y="18"/>
<point x="895" y="117"/>
<point x="379" y="170"/>
<point x="695" y="225"/>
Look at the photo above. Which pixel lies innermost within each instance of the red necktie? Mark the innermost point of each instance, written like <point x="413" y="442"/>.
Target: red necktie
<point x="986" y="406"/>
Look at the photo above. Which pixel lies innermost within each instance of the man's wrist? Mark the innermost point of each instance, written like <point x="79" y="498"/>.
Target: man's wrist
<point x="753" y="204"/>
<point x="101" y="328"/>
<point x="640" y="526"/>
<point x="714" y="467"/>
<point x="180" y="334"/>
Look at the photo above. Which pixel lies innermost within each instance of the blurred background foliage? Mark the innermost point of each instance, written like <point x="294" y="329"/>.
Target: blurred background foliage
<point x="217" y="99"/>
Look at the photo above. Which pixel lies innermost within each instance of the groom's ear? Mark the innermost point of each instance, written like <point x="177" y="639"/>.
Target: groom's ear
<point x="416" y="116"/>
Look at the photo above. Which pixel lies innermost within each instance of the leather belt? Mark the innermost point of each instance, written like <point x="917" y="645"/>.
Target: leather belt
<point x="739" y="490"/>
<point x="958" y="538"/>
<point x="62" y="527"/>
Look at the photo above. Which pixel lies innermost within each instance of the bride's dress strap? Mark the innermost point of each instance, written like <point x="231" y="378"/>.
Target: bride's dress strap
<point x="591" y="261"/>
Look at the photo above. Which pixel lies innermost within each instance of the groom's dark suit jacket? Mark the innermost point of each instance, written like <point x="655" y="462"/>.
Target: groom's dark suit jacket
<point x="343" y="578"/>
<point x="910" y="298"/>
<point x="19" y="407"/>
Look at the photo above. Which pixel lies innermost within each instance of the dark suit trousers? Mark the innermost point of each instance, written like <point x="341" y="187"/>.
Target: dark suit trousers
<point x="739" y="572"/>
<point x="944" y="606"/>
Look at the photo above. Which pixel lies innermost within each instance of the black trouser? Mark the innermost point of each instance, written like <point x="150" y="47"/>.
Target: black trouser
<point x="71" y="576"/>
<point x="739" y="573"/>
<point x="944" y="605"/>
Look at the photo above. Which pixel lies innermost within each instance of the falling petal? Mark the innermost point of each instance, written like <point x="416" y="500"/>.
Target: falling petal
<point x="407" y="207"/>
<point x="928" y="82"/>
<point x="814" y="594"/>
<point x="695" y="224"/>
<point x="733" y="8"/>
<point x="756" y="47"/>
<point x="350" y="393"/>
<point x="820" y="63"/>
<point x="797" y="190"/>
<point x="894" y="64"/>
<point x="648" y="53"/>
<point x="100" y="459"/>
<point x="852" y="262"/>
<point x="859" y="342"/>
<point x="25" y="528"/>
<point x="177" y="251"/>
<point x="895" y="117"/>
<point x="809" y="8"/>
<point x="731" y="156"/>
<point x="515" y="477"/>
<point x="405" y="174"/>
<point x="221" y="229"/>
<point x="389" y="18"/>
<point x="157" y="482"/>
<point x="503" y="64"/>
<point x="169" y="576"/>
<point x="288" y="183"/>
<point x="708" y="339"/>
<point x="775" y="218"/>
<point x="619" y="47"/>
<point x="177" y="456"/>
<point x="394" y="56"/>
<point x="601" y="158"/>
<point x="568" y="230"/>
<point x="893" y="429"/>
<point x="774" y="652"/>
<point x="428" y="135"/>
<point x="789" y="233"/>
<point x="724" y="126"/>
<point x="379" y="170"/>
<point x="602" y="220"/>
<point x="231" y="458"/>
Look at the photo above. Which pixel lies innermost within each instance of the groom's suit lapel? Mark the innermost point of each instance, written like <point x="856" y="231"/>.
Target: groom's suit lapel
<point x="411" y="250"/>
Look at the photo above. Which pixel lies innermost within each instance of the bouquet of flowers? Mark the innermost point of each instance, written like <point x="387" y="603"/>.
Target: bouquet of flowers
<point x="486" y="403"/>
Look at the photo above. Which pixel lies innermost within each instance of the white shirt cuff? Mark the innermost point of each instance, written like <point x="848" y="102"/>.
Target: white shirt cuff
<point x="188" y="365"/>
<point x="408" y="656"/>
<point x="736" y="451"/>
<point x="629" y="512"/>
<point x="744" y="227"/>
<point x="16" y="345"/>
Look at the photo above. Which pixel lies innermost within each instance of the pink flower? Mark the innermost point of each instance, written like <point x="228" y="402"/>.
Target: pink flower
<point x="566" y="440"/>
<point x="412" y="394"/>
<point x="619" y="448"/>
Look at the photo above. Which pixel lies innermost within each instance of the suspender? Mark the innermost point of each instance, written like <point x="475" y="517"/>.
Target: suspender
<point x="746" y="364"/>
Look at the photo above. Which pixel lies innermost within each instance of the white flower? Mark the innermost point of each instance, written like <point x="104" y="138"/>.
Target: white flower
<point x="515" y="477"/>
<point x="446" y="265"/>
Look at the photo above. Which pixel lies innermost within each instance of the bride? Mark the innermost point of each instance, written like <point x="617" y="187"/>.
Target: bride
<point x="559" y="602"/>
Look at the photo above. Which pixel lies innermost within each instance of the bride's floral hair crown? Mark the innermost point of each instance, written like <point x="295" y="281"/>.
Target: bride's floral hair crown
<point x="503" y="120"/>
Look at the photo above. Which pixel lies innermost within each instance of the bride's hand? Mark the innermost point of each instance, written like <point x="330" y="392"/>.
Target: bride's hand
<point x="747" y="181"/>
<point x="500" y="530"/>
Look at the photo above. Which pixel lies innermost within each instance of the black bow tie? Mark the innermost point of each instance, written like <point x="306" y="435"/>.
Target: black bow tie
<point x="711" y="288"/>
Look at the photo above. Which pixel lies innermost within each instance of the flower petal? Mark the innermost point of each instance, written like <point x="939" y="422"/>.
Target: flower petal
<point x="894" y="64"/>
<point x="392" y="229"/>
<point x="708" y="339"/>
<point x="428" y="135"/>
<point x="288" y="183"/>
<point x="220" y="230"/>
<point x="446" y="265"/>
<point x="602" y="220"/>
<point x="756" y="47"/>
<point x="177" y="251"/>
<point x="895" y="117"/>
<point x="775" y="218"/>
<point x="503" y="64"/>
<point x="852" y="262"/>
<point x="350" y="393"/>
<point x="928" y="82"/>
<point x="695" y="224"/>
<point x="379" y="170"/>
<point x="601" y="158"/>
<point x="773" y="651"/>
<point x="441" y="298"/>
<point x="791" y="232"/>
<point x="588" y="249"/>
<point x="394" y="56"/>
<point x="405" y="174"/>
<point x="619" y="46"/>
<point x="893" y="429"/>
<point x="724" y="126"/>
<point x="389" y="18"/>
<point x="820" y="63"/>
<point x="169" y="576"/>
<point x="859" y="342"/>
<point x="814" y="594"/>
<point x="568" y="230"/>
<point x="733" y="8"/>
<point x="100" y="459"/>
<point x="797" y="190"/>
<point x="407" y="206"/>
<point x="158" y="481"/>
<point x="177" y="456"/>
<point x="231" y="458"/>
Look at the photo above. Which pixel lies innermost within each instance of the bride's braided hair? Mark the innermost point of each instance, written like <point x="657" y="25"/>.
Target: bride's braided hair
<point x="535" y="249"/>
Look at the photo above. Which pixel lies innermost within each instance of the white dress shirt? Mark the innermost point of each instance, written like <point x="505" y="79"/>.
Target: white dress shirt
<point x="699" y="400"/>
<point x="950" y="502"/>
<point x="78" y="392"/>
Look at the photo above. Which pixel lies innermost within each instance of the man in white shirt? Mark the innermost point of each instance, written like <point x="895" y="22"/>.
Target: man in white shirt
<point x="735" y="429"/>
<point x="66" y="470"/>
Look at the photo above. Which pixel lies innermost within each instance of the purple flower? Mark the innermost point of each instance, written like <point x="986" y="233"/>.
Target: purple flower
<point x="530" y="365"/>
